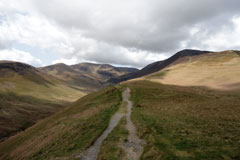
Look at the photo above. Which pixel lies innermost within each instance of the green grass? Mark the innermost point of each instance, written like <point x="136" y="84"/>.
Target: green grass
<point x="67" y="132"/>
<point x="19" y="112"/>
<point x="110" y="148"/>
<point x="184" y="123"/>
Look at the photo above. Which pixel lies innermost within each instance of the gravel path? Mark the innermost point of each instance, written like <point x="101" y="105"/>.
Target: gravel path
<point x="133" y="148"/>
<point x="92" y="152"/>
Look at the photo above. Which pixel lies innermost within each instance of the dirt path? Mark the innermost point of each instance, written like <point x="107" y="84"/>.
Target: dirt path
<point x="134" y="147"/>
<point x="92" y="152"/>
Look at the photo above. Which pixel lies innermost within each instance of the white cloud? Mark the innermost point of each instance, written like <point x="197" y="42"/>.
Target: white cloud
<point x="66" y="61"/>
<point x="227" y="39"/>
<point x="132" y="33"/>
<point x="21" y="56"/>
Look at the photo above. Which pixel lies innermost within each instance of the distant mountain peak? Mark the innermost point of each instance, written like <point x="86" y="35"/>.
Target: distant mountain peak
<point x="16" y="66"/>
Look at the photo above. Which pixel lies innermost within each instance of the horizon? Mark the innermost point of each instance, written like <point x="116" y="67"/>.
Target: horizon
<point x="114" y="65"/>
<point x="126" y="34"/>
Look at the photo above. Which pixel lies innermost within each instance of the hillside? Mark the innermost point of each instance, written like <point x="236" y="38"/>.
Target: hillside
<point x="157" y="66"/>
<point x="66" y="133"/>
<point x="28" y="95"/>
<point x="186" y="122"/>
<point x="216" y="70"/>
<point x="86" y="76"/>
<point x="175" y="122"/>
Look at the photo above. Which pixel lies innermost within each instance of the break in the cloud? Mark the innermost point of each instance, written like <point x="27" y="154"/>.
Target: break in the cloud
<point x="16" y="55"/>
<point x="127" y="32"/>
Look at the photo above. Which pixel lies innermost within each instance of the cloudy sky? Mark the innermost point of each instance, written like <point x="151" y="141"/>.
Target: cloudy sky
<point x="120" y="32"/>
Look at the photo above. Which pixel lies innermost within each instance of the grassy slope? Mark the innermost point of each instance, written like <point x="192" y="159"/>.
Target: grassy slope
<point x="19" y="112"/>
<point x="184" y="123"/>
<point x="27" y="85"/>
<point x="28" y="97"/>
<point x="67" y="132"/>
<point x="218" y="70"/>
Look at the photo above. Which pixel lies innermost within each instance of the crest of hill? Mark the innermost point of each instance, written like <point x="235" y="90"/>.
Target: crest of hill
<point x="8" y="68"/>
<point x="159" y="65"/>
<point x="103" y="71"/>
<point x="219" y="70"/>
<point x="88" y="76"/>
<point x="72" y="77"/>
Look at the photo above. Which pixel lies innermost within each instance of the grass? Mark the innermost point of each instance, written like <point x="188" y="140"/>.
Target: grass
<point x="217" y="71"/>
<point x="19" y="112"/>
<point x="26" y="86"/>
<point x="184" y="123"/>
<point x="67" y="132"/>
<point x="111" y="148"/>
<point x="161" y="74"/>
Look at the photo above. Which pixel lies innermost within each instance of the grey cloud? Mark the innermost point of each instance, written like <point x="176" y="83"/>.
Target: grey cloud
<point x="151" y="25"/>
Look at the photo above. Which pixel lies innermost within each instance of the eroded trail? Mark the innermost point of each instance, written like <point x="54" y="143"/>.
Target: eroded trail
<point x="134" y="147"/>
<point x="92" y="152"/>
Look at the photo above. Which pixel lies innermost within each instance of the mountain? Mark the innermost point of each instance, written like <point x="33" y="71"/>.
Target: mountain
<point x="86" y="75"/>
<point x="156" y="66"/>
<point x="72" y="77"/>
<point x="219" y="70"/>
<point x="102" y="71"/>
<point x="28" y="95"/>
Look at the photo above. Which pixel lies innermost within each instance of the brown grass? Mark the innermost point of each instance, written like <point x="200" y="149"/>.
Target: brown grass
<point x="217" y="71"/>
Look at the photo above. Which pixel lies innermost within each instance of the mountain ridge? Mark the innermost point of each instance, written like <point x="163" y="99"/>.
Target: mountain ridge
<point x="86" y="75"/>
<point x="156" y="66"/>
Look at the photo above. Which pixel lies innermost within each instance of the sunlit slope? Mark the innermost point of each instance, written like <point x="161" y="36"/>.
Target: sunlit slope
<point x="66" y="133"/>
<point x="216" y="70"/>
<point x="24" y="79"/>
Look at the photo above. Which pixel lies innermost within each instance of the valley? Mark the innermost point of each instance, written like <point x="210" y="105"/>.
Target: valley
<point x="29" y="94"/>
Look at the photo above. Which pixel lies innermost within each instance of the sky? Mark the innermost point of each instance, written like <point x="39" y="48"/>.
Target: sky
<point x="118" y="32"/>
